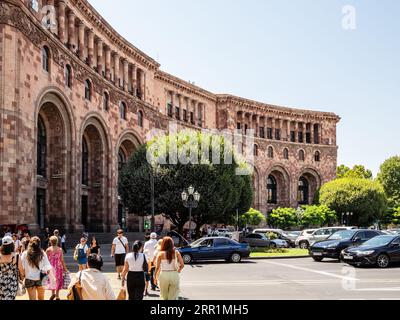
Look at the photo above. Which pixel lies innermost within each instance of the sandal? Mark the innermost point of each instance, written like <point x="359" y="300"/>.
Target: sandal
<point x="53" y="297"/>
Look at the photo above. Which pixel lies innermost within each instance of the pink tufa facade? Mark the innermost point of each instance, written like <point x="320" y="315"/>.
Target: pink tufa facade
<point x="77" y="99"/>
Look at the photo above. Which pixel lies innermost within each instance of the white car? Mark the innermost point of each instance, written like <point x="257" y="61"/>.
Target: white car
<point x="222" y="233"/>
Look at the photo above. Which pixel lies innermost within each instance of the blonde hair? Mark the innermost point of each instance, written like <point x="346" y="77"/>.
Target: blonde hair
<point x="53" y="241"/>
<point x="159" y="244"/>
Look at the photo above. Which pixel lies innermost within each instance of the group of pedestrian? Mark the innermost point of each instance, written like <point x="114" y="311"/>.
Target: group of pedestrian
<point x="29" y="267"/>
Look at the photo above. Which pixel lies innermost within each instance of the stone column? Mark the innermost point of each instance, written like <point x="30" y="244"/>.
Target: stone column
<point x="304" y="132"/>
<point x="108" y="63"/>
<point x="91" y="48"/>
<point x="134" y="79"/>
<point x="280" y="127"/>
<point x="288" y="130"/>
<point x="257" y="129"/>
<point x="180" y="99"/>
<point x="126" y="75"/>
<point x="143" y="84"/>
<point x="61" y="21"/>
<point x="116" y="69"/>
<point x="204" y="115"/>
<point x="81" y="40"/>
<point x="100" y="56"/>
<point x="296" y="131"/>
<point x="195" y="112"/>
<point x="273" y="126"/>
<point x="71" y="29"/>
<point x="312" y="132"/>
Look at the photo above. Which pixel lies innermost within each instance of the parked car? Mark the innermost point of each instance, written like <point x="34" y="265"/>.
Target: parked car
<point x="337" y="242"/>
<point x="261" y="240"/>
<point x="220" y="232"/>
<point x="394" y="231"/>
<point x="257" y="240"/>
<point x="302" y="239"/>
<point x="307" y="240"/>
<point x="215" y="248"/>
<point x="380" y="251"/>
<point x="178" y="239"/>
<point x="280" y="242"/>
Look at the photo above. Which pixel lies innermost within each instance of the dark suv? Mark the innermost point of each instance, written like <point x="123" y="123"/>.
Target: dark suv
<point x="337" y="242"/>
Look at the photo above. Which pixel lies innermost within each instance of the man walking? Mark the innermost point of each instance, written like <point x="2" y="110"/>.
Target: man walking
<point x="119" y="250"/>
<point x="149" y="249"/>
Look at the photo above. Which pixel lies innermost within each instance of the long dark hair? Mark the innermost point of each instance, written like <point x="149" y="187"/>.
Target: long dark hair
<point x="169" y="248"/>
<point x="137" y="245"/>
<point x="35" y="253"/>
<point x="95" y="240"/>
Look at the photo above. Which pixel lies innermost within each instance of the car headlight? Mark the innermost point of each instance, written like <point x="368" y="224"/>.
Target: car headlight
<point x="364" y="253"/>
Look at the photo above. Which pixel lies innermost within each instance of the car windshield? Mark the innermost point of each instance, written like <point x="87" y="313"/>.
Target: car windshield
<point x="196" y="243"/>
<point x="342" y="235"/>
<point x="379" y="241"/>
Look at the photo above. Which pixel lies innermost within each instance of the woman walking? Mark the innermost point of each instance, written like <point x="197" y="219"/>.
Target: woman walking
<point x="10" y="270"/>
<point x="94" y="247"/>
<point x="169" y="264"/>
<point x="36" y="266"/>
<point x="81" y="254"/>
<point x="56" y="258"/>
<point x="136" y="267"/>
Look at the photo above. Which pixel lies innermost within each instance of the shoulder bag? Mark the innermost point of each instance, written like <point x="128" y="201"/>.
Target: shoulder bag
<point x="75" y="293"/>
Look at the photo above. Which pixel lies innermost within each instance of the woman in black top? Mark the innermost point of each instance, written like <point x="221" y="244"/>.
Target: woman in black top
<point x="94" y="247"/>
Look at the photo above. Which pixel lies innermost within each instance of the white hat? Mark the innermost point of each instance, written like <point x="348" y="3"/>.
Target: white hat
<point x="153" y="235"/>
<point x="7" y="241"/>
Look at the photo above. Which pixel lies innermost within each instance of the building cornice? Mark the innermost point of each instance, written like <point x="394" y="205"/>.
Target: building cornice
<point x="268" y="108"/>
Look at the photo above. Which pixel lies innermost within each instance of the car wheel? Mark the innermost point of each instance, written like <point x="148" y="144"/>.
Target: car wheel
<point x="235" y="258"/>
<point x="304" y="245"/>
<point x="383" y="261"/>
<point x="187" y="258"/>
<point x="273" y="245"/>
<point x="318" y="259"/>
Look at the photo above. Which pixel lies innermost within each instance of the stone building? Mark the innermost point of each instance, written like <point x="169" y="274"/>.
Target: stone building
<point x="77" y="99"/>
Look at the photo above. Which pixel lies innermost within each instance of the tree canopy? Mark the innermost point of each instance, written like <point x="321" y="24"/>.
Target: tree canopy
<point x="389" y="177"/>
<point x="365" y="198"/>
<point x="283" y="218"/>
<point x="317" y="216"/>
<point x="181" y="160"/>
<point x="252" y="217"/>
<point x="358" y="171"/>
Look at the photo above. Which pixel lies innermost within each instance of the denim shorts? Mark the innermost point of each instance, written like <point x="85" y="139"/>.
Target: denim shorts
<point x="33" y="283"/>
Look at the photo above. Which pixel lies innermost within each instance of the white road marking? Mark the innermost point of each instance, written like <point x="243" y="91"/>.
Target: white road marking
<point x="324" y="273"/>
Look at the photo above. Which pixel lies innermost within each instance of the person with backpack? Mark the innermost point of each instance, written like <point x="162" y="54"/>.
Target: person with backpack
<point x="10" y="270"/>
<point x="81" y="254"/>
<point x="119" y="249"/>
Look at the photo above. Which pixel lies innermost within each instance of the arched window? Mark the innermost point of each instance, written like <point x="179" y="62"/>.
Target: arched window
<point x="68" y="76"/>
<point x="303" y="191"/>
<point x="270" y="152"/>
<point x="140" y="119"/>
<point x="121" y="160"/>
<point x="256" y="150"/>
<point x="106" y="101"/>
<point x="122" y="110"/>
<point x="302" y="155"/>
<point x="286" y="154"/>
<point x="88" y="90"/>
<point x="46" y="59"/>
<point x="85" y="163"/>
<point x="272" y="187"/>
<point x="41" y="148"/>
<point x="317" y="156"/>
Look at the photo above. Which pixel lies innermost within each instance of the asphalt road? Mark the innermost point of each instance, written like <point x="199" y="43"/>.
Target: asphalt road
<point x="287" y="279"/>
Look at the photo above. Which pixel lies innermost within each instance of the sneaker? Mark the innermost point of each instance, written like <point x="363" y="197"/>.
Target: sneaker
<point x="119" y="277"/>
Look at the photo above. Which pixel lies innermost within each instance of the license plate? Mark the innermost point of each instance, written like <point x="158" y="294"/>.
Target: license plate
<point x="318" y="254"/>
<point x="348" y="257"/>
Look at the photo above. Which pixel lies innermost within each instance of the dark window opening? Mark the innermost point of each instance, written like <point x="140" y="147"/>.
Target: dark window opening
<point x="41" y="148"/>
<point x="272" y="188"/>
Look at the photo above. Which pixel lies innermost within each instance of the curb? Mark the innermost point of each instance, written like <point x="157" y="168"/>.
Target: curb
<point x="278" y="258"/>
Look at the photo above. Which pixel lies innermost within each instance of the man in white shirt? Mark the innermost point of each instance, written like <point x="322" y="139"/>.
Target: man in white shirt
<point x="149" y="249"/>
<point x="95" y="285"/>
<point x="119" y="249"/>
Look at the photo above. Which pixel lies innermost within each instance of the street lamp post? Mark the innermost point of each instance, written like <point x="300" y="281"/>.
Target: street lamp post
<point x="153" y="228"/>
<point x="190" y="200"/>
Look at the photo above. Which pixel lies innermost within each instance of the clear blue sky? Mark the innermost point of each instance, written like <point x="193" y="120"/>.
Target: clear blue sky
<point x="286" y="52"/>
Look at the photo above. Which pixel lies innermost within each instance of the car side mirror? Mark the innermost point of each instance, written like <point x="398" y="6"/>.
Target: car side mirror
<point x="357" y="239"/>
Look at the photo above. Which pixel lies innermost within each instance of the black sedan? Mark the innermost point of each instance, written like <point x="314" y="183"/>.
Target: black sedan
<point x="215" y="248"/>
<point x="380" y="251"/>
<point x="337" y="242"/>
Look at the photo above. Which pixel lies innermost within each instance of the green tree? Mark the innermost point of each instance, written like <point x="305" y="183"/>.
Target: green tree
<point x="365" y="198"/>
<point x="358" y="171"/>
<point x="317" y="215"/>
<point x="222" y="189"/>
<point x="252" y="217"/>
<point x="396" y="216"/>
<point x="283" y="218"/>
<point x="389" y="177"/>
